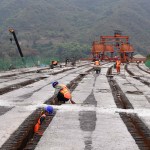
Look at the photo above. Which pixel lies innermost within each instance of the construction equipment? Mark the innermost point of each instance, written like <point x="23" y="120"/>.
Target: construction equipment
<point x="12" y="31"/>
<point x="110" y="47"/>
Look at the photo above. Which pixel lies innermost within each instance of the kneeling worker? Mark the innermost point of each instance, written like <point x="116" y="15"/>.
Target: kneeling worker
<point x="62" y="93"/>
<point x="47" y="111"/>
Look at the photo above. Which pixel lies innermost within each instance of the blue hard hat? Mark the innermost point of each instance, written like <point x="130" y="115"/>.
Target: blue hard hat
<point x="54" y="83"/>
<point x="49" y="109"/>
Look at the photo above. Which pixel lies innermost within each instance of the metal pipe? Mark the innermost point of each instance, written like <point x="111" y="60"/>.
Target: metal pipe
<point x="16" y="40"/>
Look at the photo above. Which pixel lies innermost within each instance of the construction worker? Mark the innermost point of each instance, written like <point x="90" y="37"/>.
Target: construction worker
<point x="53" y="64"/>
<point x="66" y="62"/>
<point x="47" y="110"/>
<point x="97" y="66"/>
<point x="118" y="63"/>
<point x="39" y="122"/>
<point x="62" y="93"/>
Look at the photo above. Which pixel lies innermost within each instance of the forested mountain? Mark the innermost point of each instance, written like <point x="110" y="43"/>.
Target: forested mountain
<point x="68" y="27"/>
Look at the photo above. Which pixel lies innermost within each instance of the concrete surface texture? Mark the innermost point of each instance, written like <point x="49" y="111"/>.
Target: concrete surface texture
<point x="22" y="102"/>
<point x="92" y="123"/>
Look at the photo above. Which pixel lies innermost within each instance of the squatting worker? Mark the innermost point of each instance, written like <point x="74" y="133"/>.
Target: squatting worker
<point x="118" y="63"/>
<point x="62" y="93"/>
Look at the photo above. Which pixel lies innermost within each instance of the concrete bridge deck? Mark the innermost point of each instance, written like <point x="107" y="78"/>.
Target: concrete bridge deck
<point x="94" y="122"/>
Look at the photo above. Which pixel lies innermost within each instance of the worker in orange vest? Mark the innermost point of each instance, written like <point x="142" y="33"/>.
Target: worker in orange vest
<point x="54" y="62"/>
<point x="48" y="110"/>
<point x="118" y="63"/>
<point x="39" y="122"/>
<point x="62" y="93"/>
<point x="97" y="63"/>
<point x="97" y="66"/>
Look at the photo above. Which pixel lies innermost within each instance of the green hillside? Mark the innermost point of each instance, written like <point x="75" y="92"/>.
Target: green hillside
<point x="65" y="28"/>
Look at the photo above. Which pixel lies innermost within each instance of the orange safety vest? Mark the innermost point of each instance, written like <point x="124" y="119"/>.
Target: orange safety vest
<point x="54" y="62"/>
<point x="65" y="91"/>
<point x="36" y="128"/>
<point x="97" y="63"/>
<point x="118" y="63"/>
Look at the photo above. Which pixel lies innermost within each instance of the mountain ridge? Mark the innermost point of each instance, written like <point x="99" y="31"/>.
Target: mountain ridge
<point x="48" y="24"/>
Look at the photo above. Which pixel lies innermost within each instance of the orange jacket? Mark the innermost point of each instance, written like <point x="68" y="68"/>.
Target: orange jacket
<point x="36" y="128"/>
<point x="39" y="122"/>
<point x="118" y="63"/>
<point x="65" y="91"/>
<point x="97" y="63"/>
<point x="54" y="62"/>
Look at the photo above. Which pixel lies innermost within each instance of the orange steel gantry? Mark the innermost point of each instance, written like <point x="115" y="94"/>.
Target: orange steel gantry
<point x="113" y="47"/>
